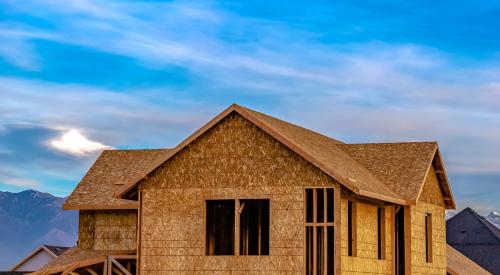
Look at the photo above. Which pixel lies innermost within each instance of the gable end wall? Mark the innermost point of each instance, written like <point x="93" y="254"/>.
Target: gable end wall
<point x="430" y="201"/>
<point x="232" y="160"/>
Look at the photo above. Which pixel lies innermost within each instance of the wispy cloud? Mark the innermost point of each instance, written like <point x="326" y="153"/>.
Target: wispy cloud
<point x="194" y="36"/>
<point x="16" y="178"/>
<point x="359" y="90"/>
<point x="20" y="182"/>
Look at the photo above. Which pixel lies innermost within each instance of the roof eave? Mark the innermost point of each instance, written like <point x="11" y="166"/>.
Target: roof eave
<point x="126" y="206"/>
<point x="445" y="175"/>
<point x="383" y="198"/>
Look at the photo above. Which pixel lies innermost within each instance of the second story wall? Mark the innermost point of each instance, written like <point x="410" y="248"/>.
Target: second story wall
<point x="108" y="230"/>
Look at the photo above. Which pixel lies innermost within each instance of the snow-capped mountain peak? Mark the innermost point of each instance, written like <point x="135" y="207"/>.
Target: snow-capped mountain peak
<point x="494" y="218"/>
<point x="494" y="214"/>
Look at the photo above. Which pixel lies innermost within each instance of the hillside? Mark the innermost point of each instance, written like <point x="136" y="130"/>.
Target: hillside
<point x="29" y="219"/>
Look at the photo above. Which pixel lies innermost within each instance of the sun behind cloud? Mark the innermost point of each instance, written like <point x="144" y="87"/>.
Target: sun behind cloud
<point x="74" y="143"/>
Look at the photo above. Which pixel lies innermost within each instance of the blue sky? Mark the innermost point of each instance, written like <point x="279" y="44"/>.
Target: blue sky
<point x="80" y="76"/>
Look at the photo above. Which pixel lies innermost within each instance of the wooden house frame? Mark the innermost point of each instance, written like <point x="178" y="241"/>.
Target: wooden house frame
<point x="152" y="204"/>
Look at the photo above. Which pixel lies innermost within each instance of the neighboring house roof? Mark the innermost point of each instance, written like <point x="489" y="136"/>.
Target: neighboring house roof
<point x="111" y="170"/>
<point x="56" y="250"/>
<point x="76" y="257"/>
<point x="458" y="264"/>
<point x="468" y="227"/>
<point x="476" y="238"/>
<point x="341" y="161"/>
<point x="52" y="251"/>
<point x="403" y="166"/>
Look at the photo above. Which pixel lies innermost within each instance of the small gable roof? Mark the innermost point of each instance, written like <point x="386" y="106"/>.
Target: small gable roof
<point x="111" y="170"/>
<point x="364" y="173"/>
<point x="56" y="250"/>
<point x="403" y="166"/>
<point x="53" y="251"/>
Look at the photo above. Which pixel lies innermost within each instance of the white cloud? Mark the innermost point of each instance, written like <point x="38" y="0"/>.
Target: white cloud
<point x="74" y="143"/>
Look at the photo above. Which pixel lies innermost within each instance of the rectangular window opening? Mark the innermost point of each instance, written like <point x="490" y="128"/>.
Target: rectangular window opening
<point x="319" y="251"/>
<point x="220" y="227"/>
<point x="381" y="233"/>
<point x="320" y="205"/>
<point x="254" y="227"/>
<point x="351" y="228"/>
<point x="319" y="231"/>
<point x="309" y="206"/>
<point x="329" y="205"/>
<point x="428" y="238"/>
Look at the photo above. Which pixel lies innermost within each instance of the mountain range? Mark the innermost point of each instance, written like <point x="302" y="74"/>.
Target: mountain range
<point x="29" y="219"/>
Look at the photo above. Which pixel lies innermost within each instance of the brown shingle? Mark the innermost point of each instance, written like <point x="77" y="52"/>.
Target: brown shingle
<point x="111" y="170"/>
<point x="328" y="156"/>
<point x="401" y="166"/>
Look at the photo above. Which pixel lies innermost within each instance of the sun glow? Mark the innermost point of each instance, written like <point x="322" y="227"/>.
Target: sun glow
<point x="74" y="143"/>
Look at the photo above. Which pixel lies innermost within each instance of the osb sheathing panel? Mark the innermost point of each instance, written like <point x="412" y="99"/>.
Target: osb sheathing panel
<point x="431" y="192"/>
<point x="366" y="261"/>
<point x="108" y="230"/>
<point x="86" y="229"/>
<point x="418" y="242"/>
<point x="234" y="160"/>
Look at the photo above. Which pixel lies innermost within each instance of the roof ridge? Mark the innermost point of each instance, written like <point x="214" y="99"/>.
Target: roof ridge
<point x="292" y="124"/>
<point x="136" y="149"/>
<point x="395" y="142"/>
